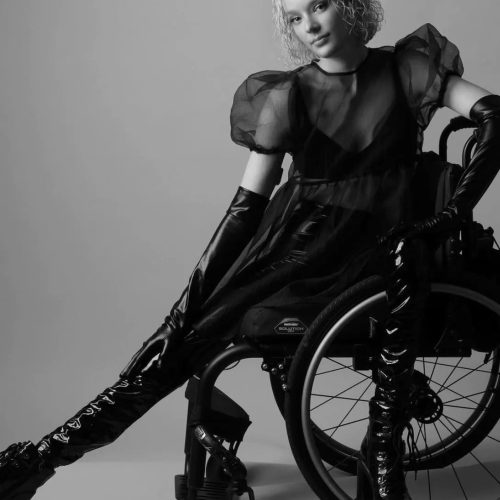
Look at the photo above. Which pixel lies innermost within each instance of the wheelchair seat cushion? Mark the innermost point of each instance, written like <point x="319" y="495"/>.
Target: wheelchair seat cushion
<point x="275" y="324"/>
<point x="263" y="321"/>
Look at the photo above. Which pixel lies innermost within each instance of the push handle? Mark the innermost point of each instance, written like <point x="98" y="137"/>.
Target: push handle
<point x="456" y="124"/>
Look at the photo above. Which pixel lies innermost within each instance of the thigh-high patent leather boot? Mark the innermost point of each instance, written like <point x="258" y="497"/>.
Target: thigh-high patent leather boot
<point x="380" y="468"/>
<point x="165" y="361"/>
<point x="24" y="467"/>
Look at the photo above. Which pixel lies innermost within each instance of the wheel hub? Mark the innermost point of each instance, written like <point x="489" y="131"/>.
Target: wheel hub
<point x="425" y="405"/>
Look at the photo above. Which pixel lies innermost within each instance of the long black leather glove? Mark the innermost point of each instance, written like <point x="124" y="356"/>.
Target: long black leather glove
<point x="230" y="238"/>
<point x="476" y="179"/>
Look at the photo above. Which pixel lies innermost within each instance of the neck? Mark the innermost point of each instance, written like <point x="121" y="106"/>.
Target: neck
<point x="346" y="59"/>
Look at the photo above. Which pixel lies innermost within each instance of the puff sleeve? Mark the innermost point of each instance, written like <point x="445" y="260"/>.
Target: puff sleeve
<point x="425" y="60"/>
<point x="263" y="113"/>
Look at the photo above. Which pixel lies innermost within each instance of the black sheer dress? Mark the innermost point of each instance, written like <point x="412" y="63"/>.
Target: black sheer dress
<point x="355" y="140"/>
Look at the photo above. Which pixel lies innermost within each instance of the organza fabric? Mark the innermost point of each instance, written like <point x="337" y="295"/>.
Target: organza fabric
<point x="355" y="140"/>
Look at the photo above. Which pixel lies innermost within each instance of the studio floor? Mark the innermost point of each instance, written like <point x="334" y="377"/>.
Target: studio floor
<point x="154" y="480"/>
<point x="142" y="464"/>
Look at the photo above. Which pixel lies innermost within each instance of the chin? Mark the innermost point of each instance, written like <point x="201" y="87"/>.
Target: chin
<point x="325" y="51"/>
<point x="324" y="54"/>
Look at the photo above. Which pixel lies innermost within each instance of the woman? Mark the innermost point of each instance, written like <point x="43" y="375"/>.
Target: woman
<point x="353" y="119"/>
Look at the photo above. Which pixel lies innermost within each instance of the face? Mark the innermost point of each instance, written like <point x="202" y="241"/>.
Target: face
<point x="318" y="25"/>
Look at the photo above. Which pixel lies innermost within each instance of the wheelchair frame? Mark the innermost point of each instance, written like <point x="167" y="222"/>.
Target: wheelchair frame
<point x="213" y="418"/>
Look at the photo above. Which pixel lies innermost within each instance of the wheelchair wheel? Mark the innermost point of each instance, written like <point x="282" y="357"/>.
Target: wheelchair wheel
<point x="455" y="396"/>
<point x="329" y="453"/>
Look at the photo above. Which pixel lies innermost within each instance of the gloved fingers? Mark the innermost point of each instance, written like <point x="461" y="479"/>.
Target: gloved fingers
<point x="140" y="359"/>
<point x="152" y="364"/>
<point x="162" y="356"/>
<point x="398" y="232"/>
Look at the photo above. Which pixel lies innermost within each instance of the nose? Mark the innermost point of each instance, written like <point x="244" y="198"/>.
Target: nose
<point x="311" y="25"/>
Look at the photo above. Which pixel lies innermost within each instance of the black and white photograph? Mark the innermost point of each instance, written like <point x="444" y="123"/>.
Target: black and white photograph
<point x="249" y="250"/>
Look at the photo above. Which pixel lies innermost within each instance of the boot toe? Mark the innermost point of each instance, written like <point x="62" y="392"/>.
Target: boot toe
<point x="22" y="471"/>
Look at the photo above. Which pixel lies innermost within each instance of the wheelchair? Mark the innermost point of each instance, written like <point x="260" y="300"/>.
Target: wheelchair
<point x="322" y="380"/>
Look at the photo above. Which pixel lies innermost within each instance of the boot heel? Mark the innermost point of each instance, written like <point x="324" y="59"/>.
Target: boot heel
<point x="364" y="482"/>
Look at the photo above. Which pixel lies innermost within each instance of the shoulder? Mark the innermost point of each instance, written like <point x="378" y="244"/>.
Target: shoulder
<point x="266" y="91"/>
<point x="421" y="38"/>
<point x="426" y="44"/>
<point x="417" y="45"/>
<point x="263" y="115"/>
<point x="425" y="59"/>
<point x="267" y="81"/>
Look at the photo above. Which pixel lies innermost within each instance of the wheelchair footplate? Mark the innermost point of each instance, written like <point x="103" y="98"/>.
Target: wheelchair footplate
<point x="223" y="475"/>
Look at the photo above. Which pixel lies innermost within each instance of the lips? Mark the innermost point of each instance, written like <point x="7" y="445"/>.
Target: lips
<point x="320" y="39"/>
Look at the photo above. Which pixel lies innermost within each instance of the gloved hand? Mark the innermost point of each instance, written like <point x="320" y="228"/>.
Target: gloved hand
<point x="478" y="176"/>
<point x="230" y="238"/>
<point x="152" y="352"/>
<point x="441" y="224"/>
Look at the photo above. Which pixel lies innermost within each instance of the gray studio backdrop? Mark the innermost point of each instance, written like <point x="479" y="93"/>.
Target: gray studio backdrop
<point x="116" y="167"/>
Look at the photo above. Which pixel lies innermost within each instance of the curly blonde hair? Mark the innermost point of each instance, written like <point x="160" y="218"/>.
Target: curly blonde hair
<point x="364" y="18"/>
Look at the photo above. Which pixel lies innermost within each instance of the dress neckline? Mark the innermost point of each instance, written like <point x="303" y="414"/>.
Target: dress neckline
<point x="314" y="62"/>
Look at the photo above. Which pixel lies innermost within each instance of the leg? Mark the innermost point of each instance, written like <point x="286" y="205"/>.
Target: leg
<point x="380" y="471"/>
<point x="25" y="467"/>
<point x="102" y="420"/>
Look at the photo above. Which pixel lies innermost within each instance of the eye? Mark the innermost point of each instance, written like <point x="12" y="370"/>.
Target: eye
<point x="320" y="6"/>
<point x="294" y="20"/>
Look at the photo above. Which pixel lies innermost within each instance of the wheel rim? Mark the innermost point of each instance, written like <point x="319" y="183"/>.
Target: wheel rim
<point x="440" y="438"/>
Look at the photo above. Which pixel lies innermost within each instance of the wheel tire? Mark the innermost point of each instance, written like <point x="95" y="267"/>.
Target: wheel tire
<point x="345" y="456"/>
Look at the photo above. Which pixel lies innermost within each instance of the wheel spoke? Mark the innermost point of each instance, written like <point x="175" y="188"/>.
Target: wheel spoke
<point x="352" y="408"/>
<point x="439" y="435"/>
<point x="493" y="439"/>
<point x="326" y="372"/>
<point x="462" y="407"/>
<point x="454" y="419"/>
<point x="334" y="396"/>
<point x="449" y="375"/>
<point x="420" y="428"/>
<point x="344" y="398"/>
<point x="423" y="365"/>
<point x="425" y="438"/>
<point x="347" y="367"/>
<point x="346" y="423"/>
<point x="463" y="376"/>
<point x="451" y="366"/>
<point x="433" y="369"/>
<point x="429" y="483"/>
<point x="459" y="482"/>
<point x="322" y="403"/>
<point x="484" y="467"/>
<point x="336" y="361"/>
<point x="464" y="397"/>
<point x="473" y="455"/>
<point x="453" y="467"/>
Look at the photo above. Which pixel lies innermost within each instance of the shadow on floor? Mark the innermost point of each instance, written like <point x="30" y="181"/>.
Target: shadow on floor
<point x="275" y="481"/>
